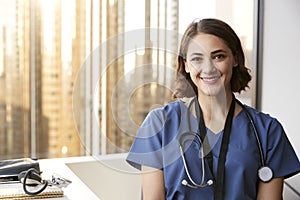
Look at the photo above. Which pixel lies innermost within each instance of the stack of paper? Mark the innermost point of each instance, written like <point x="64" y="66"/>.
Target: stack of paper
<point x="15" y="191"/>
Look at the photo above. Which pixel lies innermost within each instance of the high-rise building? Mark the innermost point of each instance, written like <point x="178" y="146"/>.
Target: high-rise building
<point x="126" y="111"/>
<point x="114" y="70"/>
<point x="47" y="81"/>
<point x="36" y="83"/>
<point x="18" y="45"/>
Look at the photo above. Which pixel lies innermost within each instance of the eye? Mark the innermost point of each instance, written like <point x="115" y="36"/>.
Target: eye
<point x="196" y="59"/>
<point x="219" y="57"/>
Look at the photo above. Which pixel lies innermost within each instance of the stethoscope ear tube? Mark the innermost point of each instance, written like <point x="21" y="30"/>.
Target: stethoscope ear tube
<point x="184" y="182"/>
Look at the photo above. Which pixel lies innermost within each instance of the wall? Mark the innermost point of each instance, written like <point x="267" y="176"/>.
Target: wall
<point x="281" y="65"/>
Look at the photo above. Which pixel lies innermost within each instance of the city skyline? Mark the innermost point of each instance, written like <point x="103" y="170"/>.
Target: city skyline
<point x="64" y="71"/>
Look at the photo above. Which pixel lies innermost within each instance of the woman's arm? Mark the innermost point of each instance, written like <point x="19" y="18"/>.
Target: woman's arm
<point x="152" y="184"/>
<point x="270" y="190"/>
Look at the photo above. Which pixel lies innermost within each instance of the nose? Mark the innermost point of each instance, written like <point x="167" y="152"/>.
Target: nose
<point x="208" y="66"/>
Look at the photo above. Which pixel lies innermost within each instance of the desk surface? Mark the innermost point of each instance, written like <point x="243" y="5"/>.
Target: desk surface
<point x="77" y="189"/>
<point x="106" y="177"/>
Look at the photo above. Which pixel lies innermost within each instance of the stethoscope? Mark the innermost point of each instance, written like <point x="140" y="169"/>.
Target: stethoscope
<point x="265" y="173"/>
<point x="33" y="184"/>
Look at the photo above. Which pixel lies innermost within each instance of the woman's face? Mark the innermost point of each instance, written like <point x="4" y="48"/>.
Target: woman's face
<point x="209" y="62"/>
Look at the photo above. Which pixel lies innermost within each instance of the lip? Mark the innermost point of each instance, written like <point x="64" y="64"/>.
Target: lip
<point x="210" y="79"/>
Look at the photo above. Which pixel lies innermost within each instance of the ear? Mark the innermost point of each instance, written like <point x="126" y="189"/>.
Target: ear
<point x="186" y="66"/>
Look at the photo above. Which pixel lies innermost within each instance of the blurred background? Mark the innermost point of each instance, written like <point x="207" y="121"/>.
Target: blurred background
<point x="70" y="78"/>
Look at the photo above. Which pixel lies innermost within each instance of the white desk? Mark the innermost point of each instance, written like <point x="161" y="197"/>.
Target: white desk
<point x="108" y="177"/>
<point x="77" y="189"/>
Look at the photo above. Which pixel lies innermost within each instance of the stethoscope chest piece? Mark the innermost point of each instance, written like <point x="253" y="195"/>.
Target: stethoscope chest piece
<point x="265" y="173"/>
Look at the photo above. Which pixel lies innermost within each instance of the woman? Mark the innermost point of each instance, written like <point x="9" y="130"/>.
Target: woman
<point x="206" y="144"/>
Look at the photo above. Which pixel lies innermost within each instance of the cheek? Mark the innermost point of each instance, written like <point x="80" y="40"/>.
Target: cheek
<point x="225" y="68"/>
<point x="194" y="76"/>
<point x="192" y="69"/>
<point x="227" y="74"/>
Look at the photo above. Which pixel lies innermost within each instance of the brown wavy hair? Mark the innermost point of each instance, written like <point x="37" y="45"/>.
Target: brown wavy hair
<point x="240" y="76"/>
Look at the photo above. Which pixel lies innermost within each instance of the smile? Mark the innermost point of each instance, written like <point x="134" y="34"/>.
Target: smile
<point x="210" y="79"/>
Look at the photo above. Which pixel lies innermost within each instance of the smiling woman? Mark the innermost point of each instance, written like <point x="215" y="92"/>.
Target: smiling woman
<point x="232" y="151"/>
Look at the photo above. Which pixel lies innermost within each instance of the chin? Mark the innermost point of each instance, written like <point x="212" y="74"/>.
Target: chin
<point x="214" y="91"/>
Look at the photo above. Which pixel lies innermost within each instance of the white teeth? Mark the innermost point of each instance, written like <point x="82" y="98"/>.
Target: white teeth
<point x="210" y="78"/>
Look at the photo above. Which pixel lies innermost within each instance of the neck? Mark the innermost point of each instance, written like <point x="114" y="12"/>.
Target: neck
<point x="215" y="110"/>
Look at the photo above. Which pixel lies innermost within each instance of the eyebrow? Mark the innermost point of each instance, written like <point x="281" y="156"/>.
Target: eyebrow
<point x="214" y="52"/>
<point x="219" y="51"/>
<point x="196" y="54"/>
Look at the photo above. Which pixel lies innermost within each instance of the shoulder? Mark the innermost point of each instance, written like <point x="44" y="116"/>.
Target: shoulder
<point x="171" y="112"/>
<point x="171" y="107"/>
<point x="262" y="119"/>
<point x="164" y="111"/>
<point x="259" y="114"/>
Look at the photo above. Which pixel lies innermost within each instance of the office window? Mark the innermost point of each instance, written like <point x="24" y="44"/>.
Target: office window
<point x="78" y="77"/>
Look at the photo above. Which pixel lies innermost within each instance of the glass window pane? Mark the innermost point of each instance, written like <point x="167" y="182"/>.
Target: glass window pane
<point x="79" y="77"/>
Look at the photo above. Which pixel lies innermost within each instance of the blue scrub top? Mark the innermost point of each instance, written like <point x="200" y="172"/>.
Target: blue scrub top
<point x="156" y="145"/>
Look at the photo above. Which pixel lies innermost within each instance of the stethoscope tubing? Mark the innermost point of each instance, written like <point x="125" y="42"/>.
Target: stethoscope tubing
<point x="265" y="173"/>
<point x="202" y="184"/>
<point x="255" y="132"/>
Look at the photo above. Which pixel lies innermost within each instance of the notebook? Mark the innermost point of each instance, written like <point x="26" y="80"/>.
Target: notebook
<point x="15" y="191"/>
